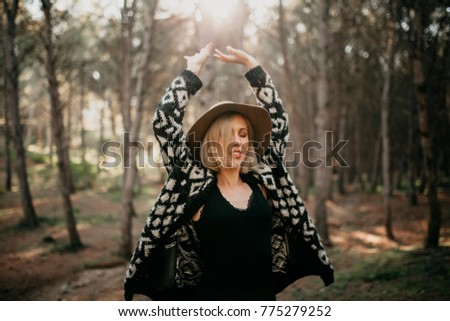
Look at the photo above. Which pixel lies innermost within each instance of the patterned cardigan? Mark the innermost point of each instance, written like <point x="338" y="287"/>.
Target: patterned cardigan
<point x="297" y="250"/>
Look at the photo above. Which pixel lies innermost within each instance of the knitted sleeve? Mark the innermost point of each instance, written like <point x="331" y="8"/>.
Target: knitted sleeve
<point x="168" y="118"/>
<point x="267" y="97"/>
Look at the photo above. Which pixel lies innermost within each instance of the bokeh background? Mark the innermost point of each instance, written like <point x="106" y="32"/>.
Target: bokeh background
<point x="367" y="80"/>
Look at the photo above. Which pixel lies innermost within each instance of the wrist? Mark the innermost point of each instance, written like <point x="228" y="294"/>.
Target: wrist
<point x="251" y="63"/>
<point x="193" y="82"/>
<point x="195" y="71"/>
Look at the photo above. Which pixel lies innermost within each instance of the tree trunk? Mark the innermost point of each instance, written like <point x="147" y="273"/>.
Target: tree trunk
<point x="128" y="13"/>
<point x="12" y="72"/>
<point x="81" y="116"/>
<point x="375" y="175"/>
<point x="429" y="158"/>
<point x="290" y="97"/>
<point x="101" y="138"/>
<point x="387" y="62"/>
<point x="204" y="33"/>
<point x="69" y="124"/>
<point x="359" y="170"/>
<point x="58" y="126"/>
<point x="342" y="105"/>
<point x="49" y="139"/>
<point x="130" y="173"/>
<point x="308" y="131"/>
<point x="322" y="178"/>
<point x="400" y="173"/>
<point x="341" y="171"/>
<point x="8" y="167"/>
<point x="412" y="159"/>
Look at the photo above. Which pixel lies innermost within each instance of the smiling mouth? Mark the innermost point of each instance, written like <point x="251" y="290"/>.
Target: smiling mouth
<point x="237" y="154"/>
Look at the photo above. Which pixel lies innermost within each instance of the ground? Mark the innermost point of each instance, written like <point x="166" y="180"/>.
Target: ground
<point x="36" y="264"/>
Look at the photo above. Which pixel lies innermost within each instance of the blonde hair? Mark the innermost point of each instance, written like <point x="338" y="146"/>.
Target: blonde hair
<point x="212" y="151"/>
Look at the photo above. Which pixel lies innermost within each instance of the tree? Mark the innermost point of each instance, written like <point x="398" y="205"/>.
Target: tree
<point x="387" y="65"/>
<point x="322" y="174"/>
<point x="58" y="125"/>
<point x="10" y="10"/>
<point x="8" y="170"/>
<point x="290" y="85"/>
<point x="132" y="124"/>
<point x="422" y="13"/>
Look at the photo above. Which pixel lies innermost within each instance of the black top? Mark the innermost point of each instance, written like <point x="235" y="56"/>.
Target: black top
<point x="235" y="249"/>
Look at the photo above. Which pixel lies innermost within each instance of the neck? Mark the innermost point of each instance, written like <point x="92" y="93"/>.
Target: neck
<point x="229" y="177"/>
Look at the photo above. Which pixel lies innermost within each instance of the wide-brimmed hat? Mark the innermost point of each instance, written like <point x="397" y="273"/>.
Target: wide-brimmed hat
<point x="258" y="117"/>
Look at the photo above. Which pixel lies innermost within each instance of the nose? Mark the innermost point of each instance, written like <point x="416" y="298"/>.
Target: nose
<point x="236" y="140"/>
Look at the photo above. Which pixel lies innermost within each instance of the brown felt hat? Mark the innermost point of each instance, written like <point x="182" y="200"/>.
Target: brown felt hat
<point x="258" y="117"/>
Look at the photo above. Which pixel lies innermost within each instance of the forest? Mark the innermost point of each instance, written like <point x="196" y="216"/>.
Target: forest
<point x="365" y="84"/>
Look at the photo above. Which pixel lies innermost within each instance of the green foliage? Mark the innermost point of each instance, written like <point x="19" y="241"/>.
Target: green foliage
<point x="413" y="275"/>
<point x="53" y="221"/>
<point x="38" y="158"/>
<point x="84" y="175"/>
<point x="94" y="219"/>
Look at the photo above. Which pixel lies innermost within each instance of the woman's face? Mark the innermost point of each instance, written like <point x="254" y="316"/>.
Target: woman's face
<point x="236" y="149"/>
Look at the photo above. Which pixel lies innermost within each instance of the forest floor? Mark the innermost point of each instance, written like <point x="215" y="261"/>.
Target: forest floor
<point x="36" y="264"/>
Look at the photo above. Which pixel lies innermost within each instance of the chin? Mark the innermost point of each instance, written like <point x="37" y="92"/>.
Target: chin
<point x="233" y="164"/>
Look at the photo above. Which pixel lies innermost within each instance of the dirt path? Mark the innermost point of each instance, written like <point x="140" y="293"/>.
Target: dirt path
<point x="35" y="265"/>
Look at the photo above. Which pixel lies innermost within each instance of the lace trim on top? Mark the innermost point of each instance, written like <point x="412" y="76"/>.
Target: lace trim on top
<point x="249" y="202"/>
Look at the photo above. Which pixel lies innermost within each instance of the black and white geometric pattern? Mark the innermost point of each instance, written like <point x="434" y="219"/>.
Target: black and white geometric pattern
<point x="188" y="185"/>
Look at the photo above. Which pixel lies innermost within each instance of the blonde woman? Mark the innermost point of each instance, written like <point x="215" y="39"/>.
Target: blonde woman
<point x="229" y="223"/>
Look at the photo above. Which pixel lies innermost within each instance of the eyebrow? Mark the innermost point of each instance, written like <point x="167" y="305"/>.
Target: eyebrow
<point x="240" y="130"/>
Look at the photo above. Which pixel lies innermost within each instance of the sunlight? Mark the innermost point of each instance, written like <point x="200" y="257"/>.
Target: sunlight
<point x="31" y="253"/>
<point x="261" y="10"/>
<point x="222" y="10"/>
<point x="218" y="10"/>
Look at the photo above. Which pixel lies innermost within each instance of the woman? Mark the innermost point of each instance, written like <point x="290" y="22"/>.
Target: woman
<point x="228" y="224"/>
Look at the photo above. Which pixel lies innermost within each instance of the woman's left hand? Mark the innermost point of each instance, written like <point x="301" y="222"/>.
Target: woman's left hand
<point x="236" y="56"/>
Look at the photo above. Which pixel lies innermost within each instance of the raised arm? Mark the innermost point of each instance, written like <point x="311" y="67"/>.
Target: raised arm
<point x="265" y="92"/>
<point x="168" y="118"/>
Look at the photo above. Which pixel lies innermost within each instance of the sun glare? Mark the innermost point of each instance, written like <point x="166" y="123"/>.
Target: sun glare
<point x="219" y="10"/>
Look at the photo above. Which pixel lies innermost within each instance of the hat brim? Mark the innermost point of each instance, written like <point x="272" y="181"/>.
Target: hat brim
<point x="258" y="117"/>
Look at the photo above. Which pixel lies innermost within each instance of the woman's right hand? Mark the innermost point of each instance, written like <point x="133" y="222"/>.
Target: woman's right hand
<point x="196" y="62"/>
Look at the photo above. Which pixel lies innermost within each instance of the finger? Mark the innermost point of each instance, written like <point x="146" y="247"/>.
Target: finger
<point x="219" y="57"/>
<point x="206" y="49"/>
<point x="231" y="49"/>
<point x="237" y="53"/>
<point x="225" y="58"/>
<point x="218" y="52"/>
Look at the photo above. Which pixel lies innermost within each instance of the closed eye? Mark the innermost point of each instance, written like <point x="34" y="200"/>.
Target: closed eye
<point x="243" y="133"/>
